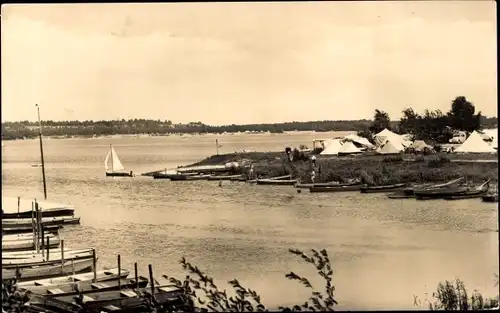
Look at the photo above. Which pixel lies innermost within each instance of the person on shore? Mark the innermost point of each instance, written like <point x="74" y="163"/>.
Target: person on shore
<point x="251" y="172"/>
<point x="313" y="176"/>
<point x="313" y="160"/>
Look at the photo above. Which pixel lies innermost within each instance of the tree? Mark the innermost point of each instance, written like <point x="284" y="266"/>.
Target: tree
<point x="381" y="120"/>
<point x="461" y="116"/>
<point x="409" y="123"/>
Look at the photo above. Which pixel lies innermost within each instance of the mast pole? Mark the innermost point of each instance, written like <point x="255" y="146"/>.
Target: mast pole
<point x="112" y="165"/>
<point x="41" y="153"/>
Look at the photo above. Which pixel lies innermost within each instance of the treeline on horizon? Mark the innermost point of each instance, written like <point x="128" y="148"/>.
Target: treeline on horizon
<point x="428" y="123"/>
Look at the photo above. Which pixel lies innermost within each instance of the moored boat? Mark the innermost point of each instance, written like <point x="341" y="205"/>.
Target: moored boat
<point x="329" y="184"/>
<point x="430" y="186"/>
<point x="33" y="254"/>
<point x="337" y="189"/>
<point x="25" y="229"/>
<point x="400" y="195"/>
<point x="45" y="259"/>
<point x="182" y="177"/>
<point x="225" y="177"/>
<point x="280" y="182"/>
<point x="16" y="207"/>
<point x="104" y="275"/>
<point x="84" y="287"/>
<point x="382" y="188"/>
<point x="451" y="192"/>
<point x="28" y="244"/>
<point x="490" y="197"/>
<point x="50" y="270"/>
<point x="18" y="223"/>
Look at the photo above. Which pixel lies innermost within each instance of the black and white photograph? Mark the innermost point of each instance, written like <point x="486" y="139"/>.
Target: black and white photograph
<point x="249" y="156"/>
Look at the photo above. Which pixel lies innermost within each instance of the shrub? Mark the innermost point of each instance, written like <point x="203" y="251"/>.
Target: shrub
<point x="438" y="162"/>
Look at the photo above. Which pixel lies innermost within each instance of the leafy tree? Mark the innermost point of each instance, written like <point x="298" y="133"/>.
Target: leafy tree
<point x="381" y="120"/>
<point x="462" y="115"/>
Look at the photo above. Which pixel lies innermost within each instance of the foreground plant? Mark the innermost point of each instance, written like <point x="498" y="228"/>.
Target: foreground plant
<point x="451" y="296"/>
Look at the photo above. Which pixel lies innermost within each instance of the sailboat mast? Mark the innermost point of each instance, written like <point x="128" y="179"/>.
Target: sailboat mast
<point x="41" y="153"/>
<point x="112" y="166"/>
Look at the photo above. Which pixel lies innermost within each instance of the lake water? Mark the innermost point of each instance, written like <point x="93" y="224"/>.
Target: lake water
<point x="383" y="251"/>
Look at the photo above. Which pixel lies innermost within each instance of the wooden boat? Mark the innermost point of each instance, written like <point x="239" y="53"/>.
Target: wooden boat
<point x="180" y="177"/>
<point x="14" y="207"/>
<point x="466" y="195"/>
<point x="337" y="189"/>
<point x="84" y="287"/>
<point x="115" y="300"/>
<point x="411" y="190"/>
<point x="27" y="244"/>
<point x="225" y="177"/>
<point x="441" y="193"/>
<point x="330" y="184"/>
<point x="382" y="188"/>
<point x="37" y="255"/>
<point x="46" y="221"/>
<point x="23" y="229"/>
<point x="490" y="197"/>
<point x="50" y="270"/>
<point x="45" y="259"/>
<point x="202" y="168"/>
<point x="26" y="236"/>
<point x="400" y="195"/>
<point x="117" y="169"/>
<point x="105" y="275"/>
<point x="280" y="182"/>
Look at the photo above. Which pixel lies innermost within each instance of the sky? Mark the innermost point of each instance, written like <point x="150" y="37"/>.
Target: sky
<point x="241" y="63"/>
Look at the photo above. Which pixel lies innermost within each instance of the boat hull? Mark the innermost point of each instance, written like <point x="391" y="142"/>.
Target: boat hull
<point x="22" y="245"/>
<point x="278" y="182"/>
<point x="40" y="261"/>
<point x="51" y="270"/>
<point x="119" y="174"/>
<point x="24" y="230"/>
<point x="490" y="198"/>
<point x="225" y="177"/>
<point x="105" y="275"/>
<point x="44" y="213"/>
<point x="400" y="195"/>
<point x="386" y="188"/>
<point x="337" y="189"/>
<point x="438" y="193"/>
<point x="467" y="195"/>
<point x="50" y="221"/>
<point x="189" y="177"/>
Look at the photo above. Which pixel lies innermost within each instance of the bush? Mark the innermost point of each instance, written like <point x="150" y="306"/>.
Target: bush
<point x="299" y="155"/>
<point x="438" y="162"/>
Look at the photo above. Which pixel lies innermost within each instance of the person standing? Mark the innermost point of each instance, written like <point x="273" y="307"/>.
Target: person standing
<point x="313" y="176"/>
<point x="313" y="160"/>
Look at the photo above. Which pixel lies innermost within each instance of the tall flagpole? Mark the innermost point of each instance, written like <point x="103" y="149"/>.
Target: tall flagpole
<point x="41" y="153"/>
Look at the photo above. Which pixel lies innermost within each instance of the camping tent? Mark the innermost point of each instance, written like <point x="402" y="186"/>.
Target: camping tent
<point x="475" y="144"/>
<point x="359" y="140"/>
<point x="332" y="147"/>
<point x="391" y="147"/>
<point x="349" y="148"/>
<point x="386" y="135"/>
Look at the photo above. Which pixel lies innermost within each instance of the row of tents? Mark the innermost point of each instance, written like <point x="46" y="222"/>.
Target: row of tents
<point x="388" y="142"/>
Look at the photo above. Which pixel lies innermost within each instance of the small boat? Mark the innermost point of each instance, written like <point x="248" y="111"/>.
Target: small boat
<point x="105" y="275"/>
<point x="225" y="177"/>
<point x="330" y="184"/>
<point x="280" y="182"/>
<point x="27" y="244"/>
<point x="476" y="192"/>
<point x="40" y="255"/>
<point x="400" y="195"/>
<point x="491" y="197"/>
<point x="45" y="259"/>
<point x="382" y="188"/>
<point x="183" y="177"/>
<point x="50" y="270"/>
<point x="21" y="237"/>
<point x="84" y="287"/>
<point x="117" y="168"/>
<point x="23" y="229"/>
<point x="337" y="189"/>
<point x="46" y="221"/>
<point x="129" y="300"/>
<point x="16" y="207"/>
<point x="411" y="190"/>
<point x="447" y="192"/>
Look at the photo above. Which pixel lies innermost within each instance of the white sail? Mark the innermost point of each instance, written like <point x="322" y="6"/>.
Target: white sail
<point x="116" y="165"/>
<point x="106" y="160"/>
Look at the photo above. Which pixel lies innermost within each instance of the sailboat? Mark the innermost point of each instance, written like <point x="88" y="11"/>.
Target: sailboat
<point x="117" y="169"/>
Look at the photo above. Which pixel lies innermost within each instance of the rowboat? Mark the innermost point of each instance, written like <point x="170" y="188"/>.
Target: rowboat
<point x="14" y="207"/>
<point x="188" y="177"/>
<point x="105" y="275"/>
<point x="441" y="193"/>
<point x="18" y="223"/>
<point x="466" y="195"/>
<point x="382" y="188"/>
<point x="28" y="244"/>
<point x="400" y="195"/>
<point x="50" y="270"/>
<point x="337" y="189"/>
<point x="51" y="258"/>
<point x="27" y="236"/>
<point x="115" y="300"/>
<point x="330" y="184"/>
<point x="89" y="286"/>
<point x="281" y="182"/>
<point x="23" y="229"/>
<point x="225" y="177"/>
<point x="37" y="255"/>
<point x="411" y="190"/>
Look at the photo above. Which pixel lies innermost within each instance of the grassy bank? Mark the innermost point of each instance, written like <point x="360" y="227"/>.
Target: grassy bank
<point x="373" y="169"/>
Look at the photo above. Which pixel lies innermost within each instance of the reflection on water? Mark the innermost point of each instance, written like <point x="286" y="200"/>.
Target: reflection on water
<point x="383" y="251"/>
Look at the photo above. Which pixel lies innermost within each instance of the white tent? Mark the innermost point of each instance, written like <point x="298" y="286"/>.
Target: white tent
<point x="332" y="147"/>
<point x="391" y="147"/>
<point x="387" y="135"/>
<point x="359" y="140"/>
<point x="349" y="148"/>
<point x="475" y="144"/>
<point x="419" y="145"/>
